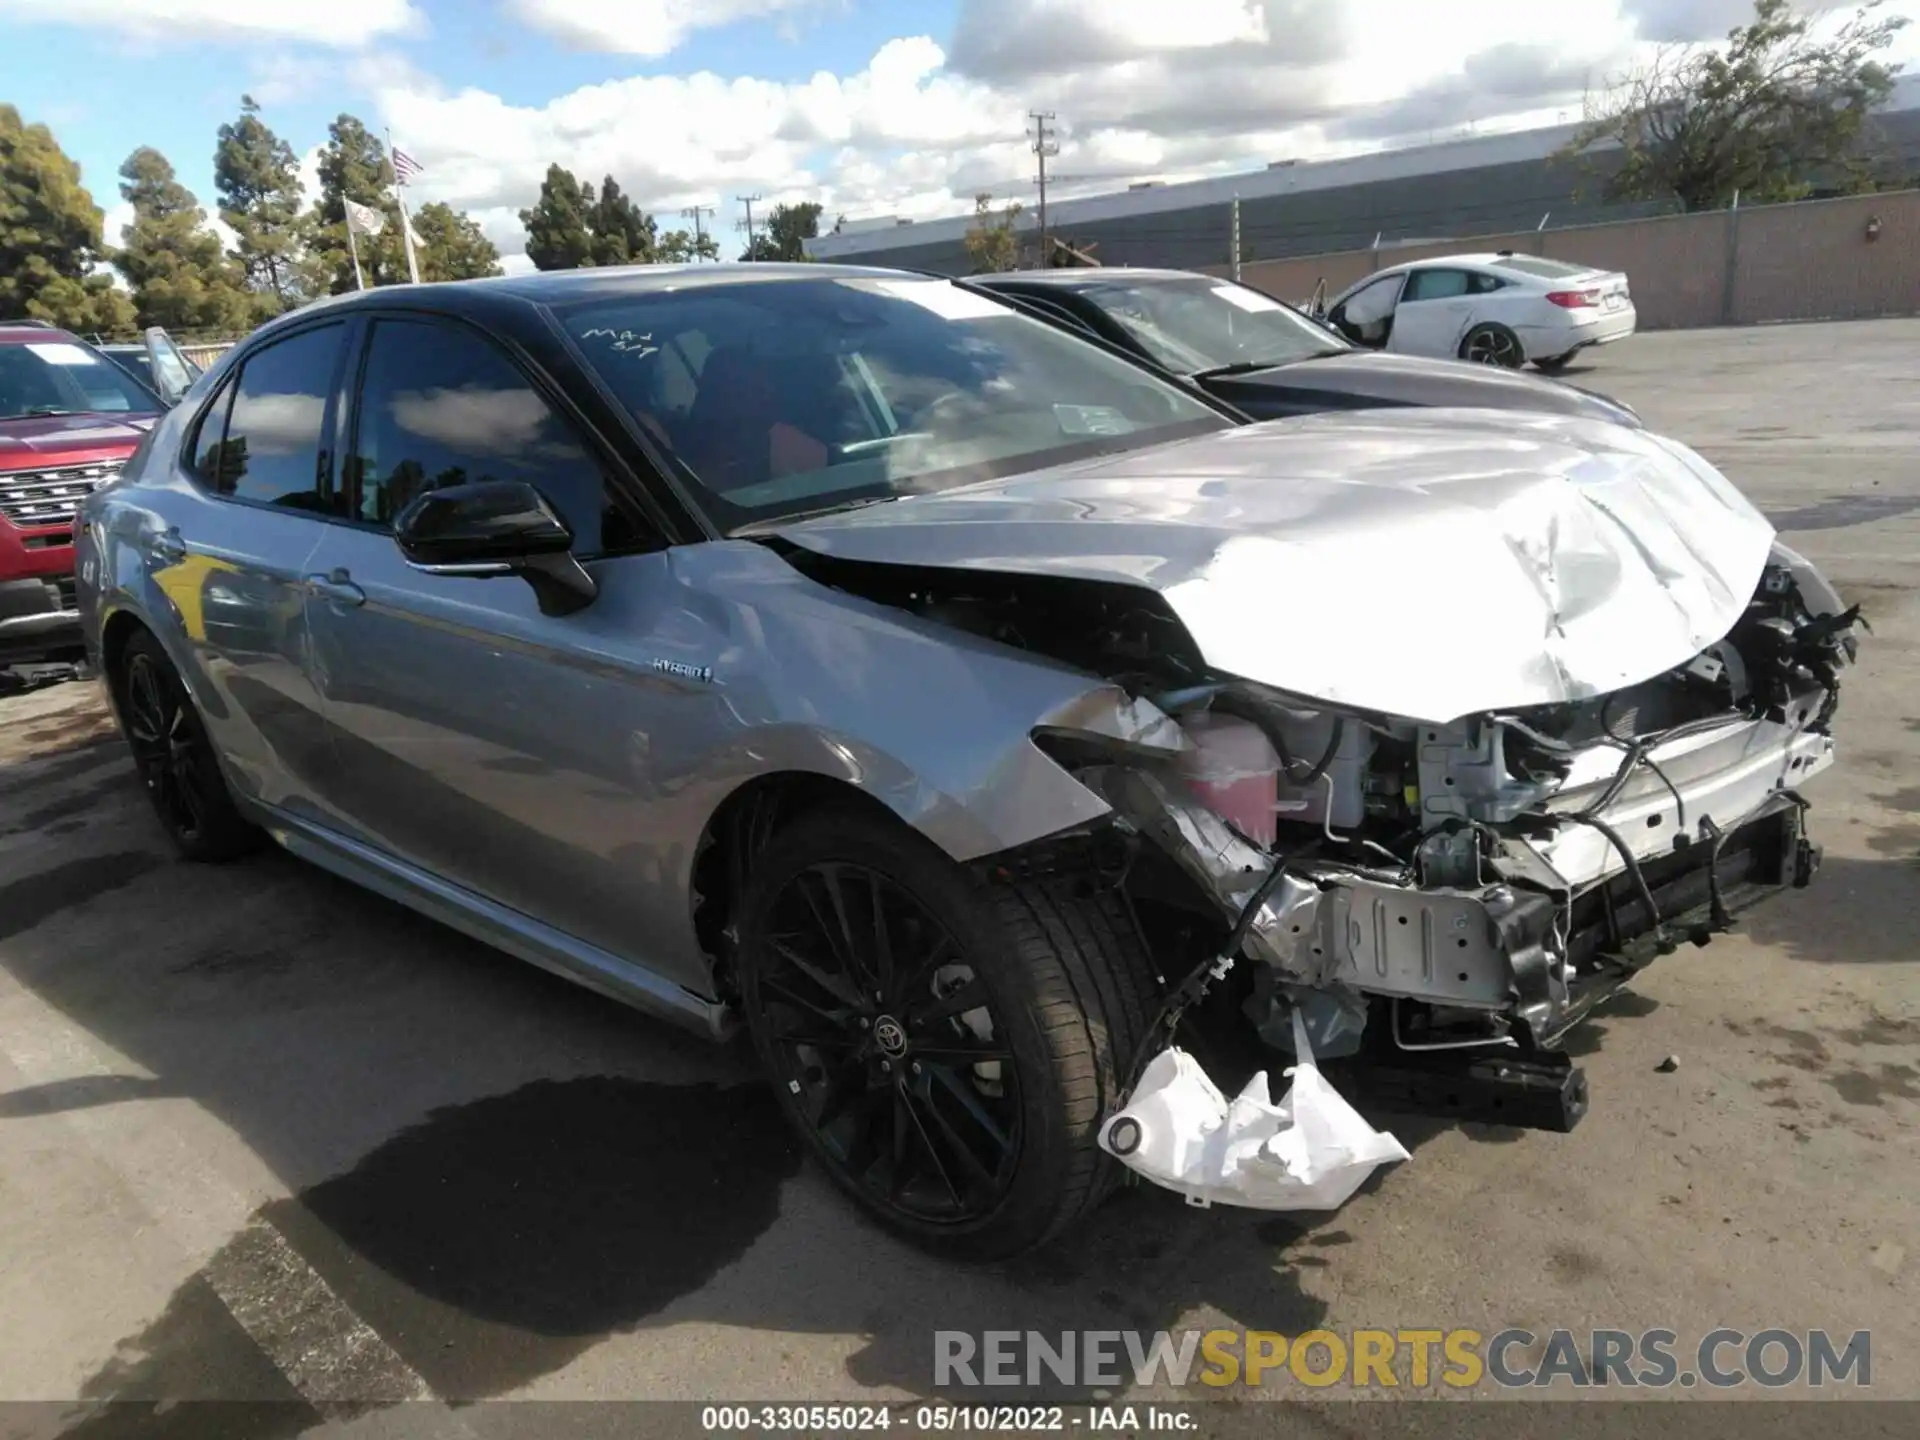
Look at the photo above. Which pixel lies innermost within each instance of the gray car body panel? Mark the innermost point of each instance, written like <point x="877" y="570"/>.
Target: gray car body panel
<point x="545" y="782"/>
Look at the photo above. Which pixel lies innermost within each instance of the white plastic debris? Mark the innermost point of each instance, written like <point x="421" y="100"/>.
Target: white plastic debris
<point x="1309" y="1152"/>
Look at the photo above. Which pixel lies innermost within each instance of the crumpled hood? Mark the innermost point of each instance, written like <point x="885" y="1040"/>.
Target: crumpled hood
<point x="1428" y="564"/>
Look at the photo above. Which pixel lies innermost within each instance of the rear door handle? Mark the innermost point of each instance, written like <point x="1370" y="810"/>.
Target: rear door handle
<point x="337" y="587"/>
<point x="168" y="547"/>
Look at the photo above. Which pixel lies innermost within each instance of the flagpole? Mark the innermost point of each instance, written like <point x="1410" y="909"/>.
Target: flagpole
<point x="406" y="221"/>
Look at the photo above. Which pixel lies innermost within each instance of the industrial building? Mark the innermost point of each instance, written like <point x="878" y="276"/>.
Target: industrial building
<point x="1463" y="187"/>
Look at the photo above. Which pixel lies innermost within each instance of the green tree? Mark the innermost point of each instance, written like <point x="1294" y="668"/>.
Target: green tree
<point x="1775" y="111"/>
<point x="178" y="269"/>
<point x="558" y="236"/>
<point x="787" y="231"/>
<point x="677" y="247"/>
<point x="50" y="235"/>
<point x="452" y="245"/>
<point x="991" y="242"/>
<point x="622" y="233"/>
<point x="354" y="166"/>
<point x="258" y="182"/>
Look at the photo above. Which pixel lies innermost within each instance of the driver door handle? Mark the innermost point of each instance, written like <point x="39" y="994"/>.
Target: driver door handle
<point x="336" y="586"/>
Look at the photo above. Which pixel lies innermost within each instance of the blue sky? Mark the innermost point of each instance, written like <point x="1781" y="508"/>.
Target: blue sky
<point x="95" y="84"/>
<point x="872" y="107"/>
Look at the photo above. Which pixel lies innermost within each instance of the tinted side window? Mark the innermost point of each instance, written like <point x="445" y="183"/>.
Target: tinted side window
<point x="1435" y="285"/>
<point x="1481" y="283"/>
<point x="441" y="406"/>
<point x="213" y="429"/>
<point x="271" y="453"/>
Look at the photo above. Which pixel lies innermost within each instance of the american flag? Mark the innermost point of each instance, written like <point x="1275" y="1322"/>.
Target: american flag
<point x="405" y="167"/>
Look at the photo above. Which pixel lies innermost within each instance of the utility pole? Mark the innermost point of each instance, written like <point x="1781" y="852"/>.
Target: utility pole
<point x="1044" y="146"/>
<point x="747" y="200"/>
<point x="1234" y="255"/>
<point x="693" y="213"/>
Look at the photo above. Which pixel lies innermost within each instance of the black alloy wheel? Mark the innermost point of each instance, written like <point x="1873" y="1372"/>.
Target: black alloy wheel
<point x="174" y="756"/>
<point x="891" y="1045"/>
<point x="945" y="1038"/>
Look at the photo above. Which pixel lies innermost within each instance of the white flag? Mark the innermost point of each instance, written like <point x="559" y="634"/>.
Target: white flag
<point x="363" y="219"/>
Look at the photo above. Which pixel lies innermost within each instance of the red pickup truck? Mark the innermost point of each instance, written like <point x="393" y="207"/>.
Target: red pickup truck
<point x="69" y="418"/>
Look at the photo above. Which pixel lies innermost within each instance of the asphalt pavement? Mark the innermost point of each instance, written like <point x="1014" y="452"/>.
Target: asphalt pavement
<point x="266" y="1138"/>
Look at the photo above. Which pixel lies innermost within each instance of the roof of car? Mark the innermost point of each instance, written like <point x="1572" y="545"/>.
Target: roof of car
<point x="559" y="286"/>
<point x="25" y="332"/>
<point x="477" y="298"/>
<point x="1447" y="261"/>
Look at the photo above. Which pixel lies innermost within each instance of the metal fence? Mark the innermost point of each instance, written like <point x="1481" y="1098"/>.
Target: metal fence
<point x="1841" y="259"/>
<point x="206" y="352"/>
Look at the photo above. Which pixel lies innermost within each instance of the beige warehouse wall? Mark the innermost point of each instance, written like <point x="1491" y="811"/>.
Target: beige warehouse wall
<point x="1813" y="261"/>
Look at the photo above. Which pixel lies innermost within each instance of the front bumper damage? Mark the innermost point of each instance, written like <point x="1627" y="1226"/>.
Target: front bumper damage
<point x="1441" y="972"/>
<point x="1309" y="1152"/>
<point x="1473" y="990"/>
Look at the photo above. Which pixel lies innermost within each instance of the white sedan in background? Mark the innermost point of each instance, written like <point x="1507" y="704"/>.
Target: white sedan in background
<point x="1501" y="309"/>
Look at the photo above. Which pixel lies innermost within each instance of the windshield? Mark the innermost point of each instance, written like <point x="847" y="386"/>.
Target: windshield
<point x="60" y="377"/>
<point x="791" y="396"/>
<point x="1192" y="323"/>
<point x="138" y="361"/>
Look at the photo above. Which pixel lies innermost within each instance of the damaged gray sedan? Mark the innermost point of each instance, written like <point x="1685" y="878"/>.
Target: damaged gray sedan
<point x="1018" y="747"/>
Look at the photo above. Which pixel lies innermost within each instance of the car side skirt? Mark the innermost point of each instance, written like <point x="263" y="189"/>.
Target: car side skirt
<point x="519" y="935"/>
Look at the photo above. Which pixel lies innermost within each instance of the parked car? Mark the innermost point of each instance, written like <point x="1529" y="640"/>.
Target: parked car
<point x="975" y="716"/>
<point x="1501" y="309"/>
<point x="156" y="362"/>
<point x="1266" y="358"/>
<point x="68" y="421"/>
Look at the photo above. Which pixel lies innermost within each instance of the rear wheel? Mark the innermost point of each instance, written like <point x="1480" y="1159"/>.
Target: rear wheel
<point x="174" y="756"/>
<point x="1493" y="345"/>
<point x="946" y="1046"/>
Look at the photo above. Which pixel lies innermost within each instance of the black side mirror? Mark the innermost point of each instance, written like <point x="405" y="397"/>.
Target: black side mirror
<point x="492" y="528"/>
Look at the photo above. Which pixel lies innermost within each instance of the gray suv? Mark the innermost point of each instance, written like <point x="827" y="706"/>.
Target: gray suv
<point x="974" y="715"/>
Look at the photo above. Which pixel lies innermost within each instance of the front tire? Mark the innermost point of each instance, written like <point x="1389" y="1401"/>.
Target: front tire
<point x="1491" y="344"/>
<point x="946" y="1045"/>
<point x="174" y="756"/>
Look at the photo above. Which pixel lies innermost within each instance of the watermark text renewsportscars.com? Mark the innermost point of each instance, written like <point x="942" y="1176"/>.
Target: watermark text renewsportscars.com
<point x="1417" y="1359"/>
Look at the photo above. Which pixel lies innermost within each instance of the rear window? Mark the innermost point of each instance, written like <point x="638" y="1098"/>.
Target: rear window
<point x="1542" y="269"/>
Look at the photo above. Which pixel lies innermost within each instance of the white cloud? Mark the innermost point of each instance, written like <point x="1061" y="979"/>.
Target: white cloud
<point x="342" y="23"/>
<point x="1142" y="89"/>
<point x="641" y="27"/>
<point x="118" y="217"/>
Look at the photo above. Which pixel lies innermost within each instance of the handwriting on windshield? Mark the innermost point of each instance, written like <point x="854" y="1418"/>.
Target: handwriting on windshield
<point x="626" y="342"/>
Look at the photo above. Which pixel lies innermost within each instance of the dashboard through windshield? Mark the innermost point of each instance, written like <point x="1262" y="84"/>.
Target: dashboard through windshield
<point x="784" y="397"/>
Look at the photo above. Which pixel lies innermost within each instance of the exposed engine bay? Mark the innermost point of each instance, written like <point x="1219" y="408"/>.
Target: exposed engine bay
<point x="1432" y="905"/>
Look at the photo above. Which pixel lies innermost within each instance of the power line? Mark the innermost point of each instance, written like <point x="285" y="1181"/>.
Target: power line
<point x="747" y="200"/>
<point x="693" y="213"/>
<point x="1044" y="146"/>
